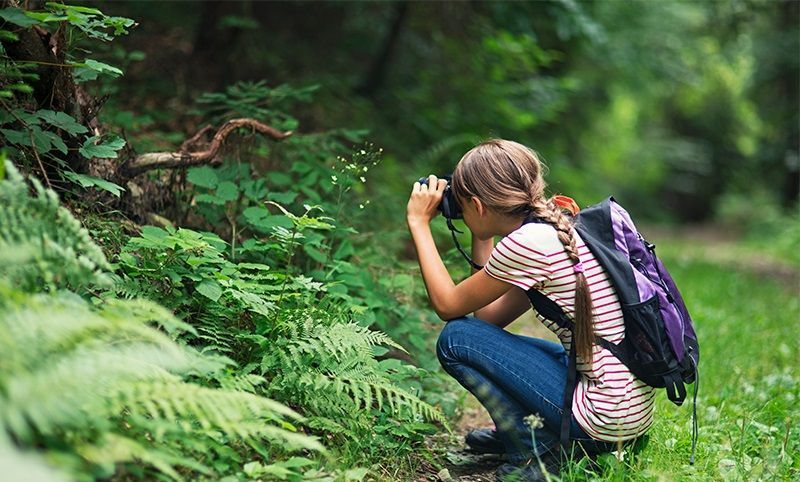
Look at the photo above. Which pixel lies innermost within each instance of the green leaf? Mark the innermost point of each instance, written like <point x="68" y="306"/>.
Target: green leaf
<point x="315" y="254"/>
<point x="18" y="17"/>
<point x="210" y="289"/>
<point x="7" y="116"/>
<point x="254" y="189"/>
<point x="8" y="36"/>
<point x="344" y="250"/>
<point x="92" y="181"/>
<point x="105" y="149"/>
<point x="203" y="176"/>
<point x="62" y="121"/>
<point x="55" y="141"/>
<point x="74" y="8"/>
<point x="282" y="197"/>
<point x="41" y="139"/>
<point x="260" y="218"/>
<point x="46" y="16"/>
<point x="90" y="69"/>
<point x="209" y="198"/>
<point x="21" y="87"/>
<point x="279" y="178"/>
<point x="153" y="233"/>
<point x="227" y="191"/>
<point x="102" y="67"/>
<point x="21" y="138"/>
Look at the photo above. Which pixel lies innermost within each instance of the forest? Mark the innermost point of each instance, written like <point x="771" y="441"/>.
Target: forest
<point x="205" y="268"/>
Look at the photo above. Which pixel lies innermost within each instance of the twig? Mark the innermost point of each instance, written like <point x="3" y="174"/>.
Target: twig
<point x="158" y="160"/>
<point x="39" y="159"/>
<point x="188" y="143"/>
<point x="33" y="144"/>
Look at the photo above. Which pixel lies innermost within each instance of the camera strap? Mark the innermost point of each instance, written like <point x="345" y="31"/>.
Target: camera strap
<point x="453" y="231"/>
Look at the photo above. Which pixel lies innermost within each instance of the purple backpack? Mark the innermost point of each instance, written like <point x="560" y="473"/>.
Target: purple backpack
<point x="660" y="345"/>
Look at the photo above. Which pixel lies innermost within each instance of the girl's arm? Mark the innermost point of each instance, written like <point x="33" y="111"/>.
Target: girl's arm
<point x="510" y="305"/>
<point x="449" y="300"/>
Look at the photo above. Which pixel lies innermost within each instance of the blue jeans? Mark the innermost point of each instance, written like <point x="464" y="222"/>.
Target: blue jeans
<point x="513" y="376"/>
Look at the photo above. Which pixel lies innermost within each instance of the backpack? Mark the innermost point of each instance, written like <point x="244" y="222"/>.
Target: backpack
<point x="660" y="345"/>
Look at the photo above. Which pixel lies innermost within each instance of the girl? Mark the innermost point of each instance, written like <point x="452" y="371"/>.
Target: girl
<point x="499" y="185"/>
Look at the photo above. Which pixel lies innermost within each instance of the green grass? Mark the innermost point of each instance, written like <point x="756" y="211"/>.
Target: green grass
<point x="748" y="325"/>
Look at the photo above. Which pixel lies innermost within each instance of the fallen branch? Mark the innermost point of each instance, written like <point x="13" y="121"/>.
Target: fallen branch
<point x="185" y="158"/>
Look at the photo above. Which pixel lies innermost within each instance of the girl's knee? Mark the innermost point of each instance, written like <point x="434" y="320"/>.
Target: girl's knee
<point x="459" y="328"/>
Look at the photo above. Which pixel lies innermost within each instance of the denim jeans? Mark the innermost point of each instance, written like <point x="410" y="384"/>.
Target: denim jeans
<point x="513" y="376"/>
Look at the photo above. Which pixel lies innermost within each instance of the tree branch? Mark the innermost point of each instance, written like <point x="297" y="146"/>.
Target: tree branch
<point x="185" y="158"/>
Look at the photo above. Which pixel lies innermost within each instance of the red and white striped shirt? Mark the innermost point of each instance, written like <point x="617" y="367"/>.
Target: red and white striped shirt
<point x="609" y="402"/>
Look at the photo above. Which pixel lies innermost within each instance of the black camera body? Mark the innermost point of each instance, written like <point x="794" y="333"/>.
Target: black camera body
<point x="449" y="206"/>
<point x="451" y="210"/>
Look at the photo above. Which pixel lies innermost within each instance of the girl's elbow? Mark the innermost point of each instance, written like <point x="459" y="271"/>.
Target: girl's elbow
<point x="446" y="313"/>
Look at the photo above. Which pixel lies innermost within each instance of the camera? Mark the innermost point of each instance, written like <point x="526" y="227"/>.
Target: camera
<point x="449" y="206"/>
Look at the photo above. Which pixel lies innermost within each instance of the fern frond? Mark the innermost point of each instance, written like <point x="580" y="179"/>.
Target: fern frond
<point x="69" y="368"/>
<point x="42" y="246"/>
<point x="114" y="449"/>
<point x="236" y="413"/>
<point x="331" y="370"/>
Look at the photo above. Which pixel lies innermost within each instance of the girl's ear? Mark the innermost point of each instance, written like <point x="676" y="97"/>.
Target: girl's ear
<point x="479" y="207"/>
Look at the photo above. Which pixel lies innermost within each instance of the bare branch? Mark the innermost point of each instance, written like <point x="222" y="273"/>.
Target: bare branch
<point x="188" y="143"/>
<point x="186" y="158"/>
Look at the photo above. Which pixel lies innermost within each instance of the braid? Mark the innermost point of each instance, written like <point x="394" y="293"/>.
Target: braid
<point x="583" y="337"/>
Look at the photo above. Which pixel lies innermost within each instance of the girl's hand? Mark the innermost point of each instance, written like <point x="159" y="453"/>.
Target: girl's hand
<point x="424" y="200"/>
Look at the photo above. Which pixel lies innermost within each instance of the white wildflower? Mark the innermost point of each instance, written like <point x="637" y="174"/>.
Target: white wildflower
<point x="534" y="421"/>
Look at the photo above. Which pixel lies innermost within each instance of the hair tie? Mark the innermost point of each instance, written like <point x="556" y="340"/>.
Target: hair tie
<point x="577" y="267"/>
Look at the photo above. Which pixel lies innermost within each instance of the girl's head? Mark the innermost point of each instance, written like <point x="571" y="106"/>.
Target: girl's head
<point x="506" y="177"/>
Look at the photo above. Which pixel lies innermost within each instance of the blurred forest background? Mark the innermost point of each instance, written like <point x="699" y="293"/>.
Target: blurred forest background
<point x="688" y="112"/>
<point x="682" y="108"/>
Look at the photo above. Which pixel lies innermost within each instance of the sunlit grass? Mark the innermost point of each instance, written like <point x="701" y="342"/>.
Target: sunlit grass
<point x="748" y="324"/>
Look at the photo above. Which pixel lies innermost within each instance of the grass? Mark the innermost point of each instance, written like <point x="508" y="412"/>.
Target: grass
<point x="747" y="406"/>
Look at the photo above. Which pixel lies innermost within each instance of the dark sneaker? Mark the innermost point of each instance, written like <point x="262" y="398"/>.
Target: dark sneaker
<point x="532" y="472"/>
<point x="484" y="441"/>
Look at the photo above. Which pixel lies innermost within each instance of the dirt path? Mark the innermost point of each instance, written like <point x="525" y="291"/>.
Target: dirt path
<point x="720" y="246"/>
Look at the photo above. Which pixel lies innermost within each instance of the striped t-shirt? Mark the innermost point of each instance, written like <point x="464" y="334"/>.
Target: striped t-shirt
<point x="609" y="402"/>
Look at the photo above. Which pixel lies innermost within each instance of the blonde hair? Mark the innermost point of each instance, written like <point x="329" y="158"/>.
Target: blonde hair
<point x="507" y="177"/>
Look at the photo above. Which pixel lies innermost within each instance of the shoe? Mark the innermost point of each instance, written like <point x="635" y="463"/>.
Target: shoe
<point x="531" y="472"/>
<point x="484" y="441"/>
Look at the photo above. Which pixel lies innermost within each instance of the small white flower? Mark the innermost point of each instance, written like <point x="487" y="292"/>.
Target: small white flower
<point x="334" y="178"/>
<point x="361" y="206"/>
<point x="363" y="152"/>
<point x="534" y="421"/>
<point x="363" y="179"/>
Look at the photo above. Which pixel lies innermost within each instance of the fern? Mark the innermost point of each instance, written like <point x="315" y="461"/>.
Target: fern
<point x="69" y="368"/>
<point x="332" y="369"/>
<point x="93" y="385"/>
<point x="42" y="246"/>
